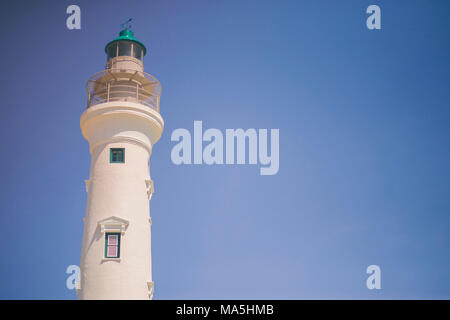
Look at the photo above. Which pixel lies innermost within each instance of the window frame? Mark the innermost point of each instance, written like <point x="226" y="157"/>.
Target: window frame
<point x="111" y="150"/>
<point x="109" y="50"/>
<point x="124" y="45"/>
<point x="107" y="234"/>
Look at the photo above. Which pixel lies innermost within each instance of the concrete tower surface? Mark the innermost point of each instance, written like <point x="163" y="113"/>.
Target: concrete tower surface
<point x="121" y="123"/>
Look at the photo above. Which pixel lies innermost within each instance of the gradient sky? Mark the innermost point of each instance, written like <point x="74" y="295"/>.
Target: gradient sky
<point x="364" y="146"/>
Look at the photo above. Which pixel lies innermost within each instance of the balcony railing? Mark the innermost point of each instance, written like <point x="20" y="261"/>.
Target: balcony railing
<point x="123" y="85"/>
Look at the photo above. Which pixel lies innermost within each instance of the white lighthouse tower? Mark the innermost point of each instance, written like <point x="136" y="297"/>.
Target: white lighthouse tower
<point x="122" y="124"/>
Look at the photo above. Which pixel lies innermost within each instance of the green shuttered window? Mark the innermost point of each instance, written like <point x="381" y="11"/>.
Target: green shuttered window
<point x="117" y="155"/>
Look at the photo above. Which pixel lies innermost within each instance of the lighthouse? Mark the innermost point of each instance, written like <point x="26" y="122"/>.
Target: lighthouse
<point x="122" y="123"/>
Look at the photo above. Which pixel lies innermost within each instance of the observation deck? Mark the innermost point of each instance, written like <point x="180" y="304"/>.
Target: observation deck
<point x="129" y="85"/>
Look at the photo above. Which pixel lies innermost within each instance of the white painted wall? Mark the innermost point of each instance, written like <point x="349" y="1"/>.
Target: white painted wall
<point x="118" y="190"/>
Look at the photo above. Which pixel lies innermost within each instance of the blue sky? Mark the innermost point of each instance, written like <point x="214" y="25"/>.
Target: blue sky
<point x="364" y="146"/>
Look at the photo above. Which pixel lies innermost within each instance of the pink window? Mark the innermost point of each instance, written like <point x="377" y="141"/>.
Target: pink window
<point x="113" y="240"/>
<point x="112" y="251"/>
<point x="112" y="245"/>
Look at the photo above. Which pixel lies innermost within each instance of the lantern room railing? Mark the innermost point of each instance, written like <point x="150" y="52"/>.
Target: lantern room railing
<point x="123" y="85"/>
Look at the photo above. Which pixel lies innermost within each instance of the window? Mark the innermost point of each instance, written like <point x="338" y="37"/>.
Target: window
<point x="137" y="51"/>
<point x="112" y="245"/>
<point x="124" y="48"/>
<point x="117" y="155"/>
<point x="112" y="51"/>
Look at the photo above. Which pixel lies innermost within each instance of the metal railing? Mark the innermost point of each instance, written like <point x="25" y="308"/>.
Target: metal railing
<point x="123" y="85"/>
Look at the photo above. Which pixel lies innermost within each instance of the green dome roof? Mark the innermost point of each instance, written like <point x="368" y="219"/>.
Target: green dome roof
<point x="126" y="34"/>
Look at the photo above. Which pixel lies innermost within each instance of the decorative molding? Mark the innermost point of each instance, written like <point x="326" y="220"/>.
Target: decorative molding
<point x="90" y="129"/>
<point x="150" y="186"/>
<point x="151" y="289"/>
<point x="113" y="224"/>
<point x="115" y="107"/>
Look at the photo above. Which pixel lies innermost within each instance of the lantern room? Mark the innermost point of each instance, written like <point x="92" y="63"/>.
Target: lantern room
<point x="124" y="78"/>
<point x="125" y="45"/>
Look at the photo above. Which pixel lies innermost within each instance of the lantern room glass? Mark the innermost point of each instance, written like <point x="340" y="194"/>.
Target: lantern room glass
<point x="112" y="51"/>
<point x="137" y="51"/>
<point x="125" y="48"/>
